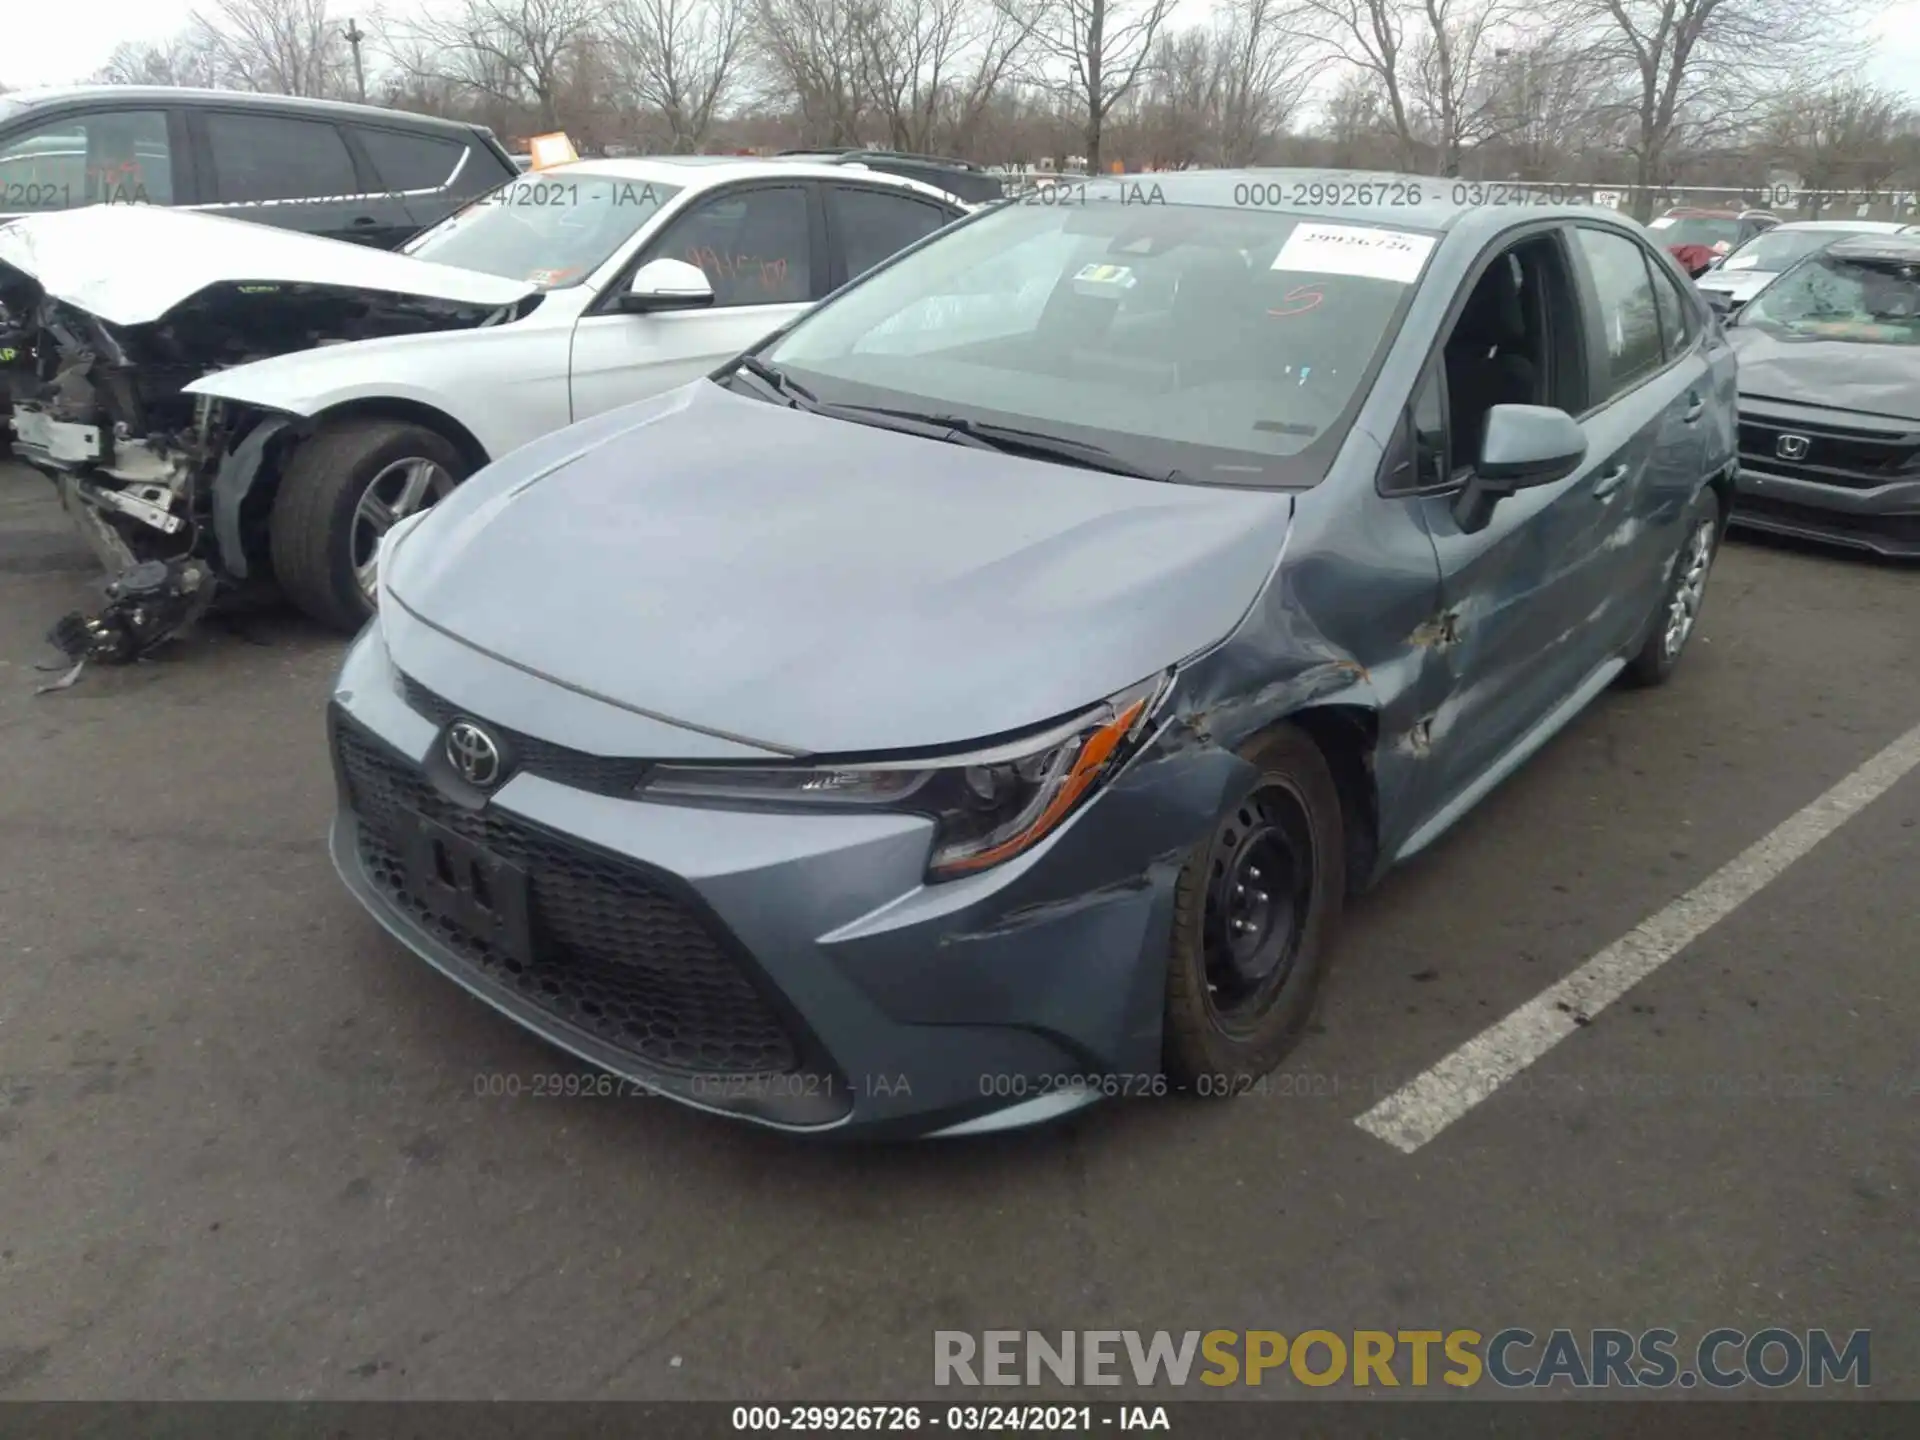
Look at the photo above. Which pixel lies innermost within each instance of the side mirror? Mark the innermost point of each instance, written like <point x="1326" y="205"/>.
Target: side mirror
<point x="1523" y="446"/>
<point x="666" y="285"/>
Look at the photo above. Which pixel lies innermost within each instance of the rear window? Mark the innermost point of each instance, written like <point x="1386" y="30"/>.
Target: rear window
<point x="1713" y="232"/>
<point x="275" y="157"/>
<point x="410" y="162"/>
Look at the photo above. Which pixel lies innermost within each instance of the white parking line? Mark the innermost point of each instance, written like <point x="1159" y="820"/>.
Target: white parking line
<point x="1426" y="1105"/>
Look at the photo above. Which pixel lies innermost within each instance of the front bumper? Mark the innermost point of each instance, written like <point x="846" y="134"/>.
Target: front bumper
<point x="1849" y="488"/>
<point x="792" y="970"/>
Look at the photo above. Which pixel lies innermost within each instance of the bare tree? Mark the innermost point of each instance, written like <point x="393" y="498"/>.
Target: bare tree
<point x="512" y="51"/>
<point x="1548" y="91"/>
<point x="1700" y="70"/>
<point x="681" y="58"/>
<point x="1265" y="66"/>
<point x="285" y="47"/>
<point x="1171" y="118"/>
<point x="929" y="66"/>
<point x="815" y="53"/>
<point x="183" y="60"/>
<point x="1092" y="54"/>
<point x="1445" y="82"/>
<point x="1370" y="36"/>
<point x="1843" y="136"/>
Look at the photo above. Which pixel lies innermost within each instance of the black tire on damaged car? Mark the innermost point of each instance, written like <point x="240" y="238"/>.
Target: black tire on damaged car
<point x="1657" y="658"/>
<point x="1224" y="1028"/>
<point x="321" y="486"/>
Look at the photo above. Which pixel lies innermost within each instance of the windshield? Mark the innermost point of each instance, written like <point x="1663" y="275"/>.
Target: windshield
<point x="1231" y="345"/>
<point x="1827" y="298"/>
<point x="550" y="231"/>
<point x="1710" y="231"/>
<point x="1777" y="249"/>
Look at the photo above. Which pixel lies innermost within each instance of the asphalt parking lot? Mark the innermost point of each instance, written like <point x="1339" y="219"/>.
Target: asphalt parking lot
<point x="242" y="1152"/>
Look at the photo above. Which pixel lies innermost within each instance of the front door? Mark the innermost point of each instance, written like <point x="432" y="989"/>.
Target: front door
<point x="756" y="246"/>
<point x="1519" y="594"/>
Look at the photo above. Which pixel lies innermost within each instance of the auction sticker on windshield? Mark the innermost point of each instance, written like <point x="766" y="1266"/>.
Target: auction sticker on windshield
<point x="1355" y="250"/>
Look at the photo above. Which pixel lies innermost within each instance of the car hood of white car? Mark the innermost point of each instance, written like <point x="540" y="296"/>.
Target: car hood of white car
<point x="131" y="264"/>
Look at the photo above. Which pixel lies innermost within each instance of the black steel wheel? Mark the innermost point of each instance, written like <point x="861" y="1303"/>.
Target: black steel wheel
<point x="1255" y="911"/>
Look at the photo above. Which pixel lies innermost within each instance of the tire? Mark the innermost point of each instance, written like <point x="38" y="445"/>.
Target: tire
<point x="1659" y="655"/>
<point x="317" y="526"/>
<point x="1225" y="1026"/>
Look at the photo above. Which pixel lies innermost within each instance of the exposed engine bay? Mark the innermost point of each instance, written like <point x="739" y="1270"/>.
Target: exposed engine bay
<point x="159" y="482"/>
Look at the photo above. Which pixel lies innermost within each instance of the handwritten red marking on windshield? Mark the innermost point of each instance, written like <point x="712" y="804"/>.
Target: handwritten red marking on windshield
<point x="1298" y="301"/>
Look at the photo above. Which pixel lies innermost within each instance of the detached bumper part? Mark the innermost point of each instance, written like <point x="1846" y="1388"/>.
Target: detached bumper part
<point x="146" y="605"/>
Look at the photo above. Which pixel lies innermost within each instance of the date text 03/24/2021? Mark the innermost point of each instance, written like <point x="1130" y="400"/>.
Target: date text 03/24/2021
<point x="960" y="1419"/>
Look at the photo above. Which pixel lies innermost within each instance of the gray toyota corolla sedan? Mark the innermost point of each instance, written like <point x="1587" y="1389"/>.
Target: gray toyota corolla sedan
<point x="983" y="697"/>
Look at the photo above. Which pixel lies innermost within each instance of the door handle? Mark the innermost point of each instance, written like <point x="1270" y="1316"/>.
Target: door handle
<point x="1696" y="407"/>
<point x="1611" y="481"/>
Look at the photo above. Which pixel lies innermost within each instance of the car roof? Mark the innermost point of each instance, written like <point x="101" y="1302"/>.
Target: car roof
<point x="1369" y="197"/>
<point x="1903" y="248"/>
<point x="702" y="172"/>
<point x="1865" y="227"/>
<point x="175" y="95"/>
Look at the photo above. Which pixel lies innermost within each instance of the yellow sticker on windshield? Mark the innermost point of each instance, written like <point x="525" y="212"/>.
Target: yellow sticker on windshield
<point x="1120" y="275"/>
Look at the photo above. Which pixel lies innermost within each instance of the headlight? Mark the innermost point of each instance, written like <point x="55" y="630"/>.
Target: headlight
<point x="988" y="806"/>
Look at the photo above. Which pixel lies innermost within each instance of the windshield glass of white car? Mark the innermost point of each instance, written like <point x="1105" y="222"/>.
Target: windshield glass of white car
<point x="1777" y="249"/>
<point x="550" y="230"/>
<point x="1229" y="345"/>
<point x="1876" y="301"/>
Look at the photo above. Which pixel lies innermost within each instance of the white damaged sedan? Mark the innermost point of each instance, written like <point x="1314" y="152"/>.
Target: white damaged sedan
<point x="223" y="403"/>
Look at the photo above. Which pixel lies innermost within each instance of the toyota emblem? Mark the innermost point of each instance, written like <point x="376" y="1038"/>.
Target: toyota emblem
<point x="472" y="753"/>
<point x="1791" y="447"/>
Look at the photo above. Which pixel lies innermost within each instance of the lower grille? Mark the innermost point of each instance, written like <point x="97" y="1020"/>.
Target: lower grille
<point x="1902" y="531"/>
<point x="614" y="955"/>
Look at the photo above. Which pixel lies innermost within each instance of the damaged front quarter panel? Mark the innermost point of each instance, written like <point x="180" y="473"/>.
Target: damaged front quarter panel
<point x="151" y="473"/>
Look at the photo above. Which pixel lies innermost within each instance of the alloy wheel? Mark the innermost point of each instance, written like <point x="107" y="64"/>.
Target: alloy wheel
<point x="401" y="489"/>
<point x="1689" y="588"/>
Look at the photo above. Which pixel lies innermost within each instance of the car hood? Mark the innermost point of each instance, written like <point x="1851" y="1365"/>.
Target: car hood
<point x="131" y="264"/>
<point x="1741" y="285"/>
<point x="1838" y="374"/>
<point x="822" y="587"/>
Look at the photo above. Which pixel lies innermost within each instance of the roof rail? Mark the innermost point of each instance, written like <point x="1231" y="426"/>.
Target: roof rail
<point x="856" y="152"/>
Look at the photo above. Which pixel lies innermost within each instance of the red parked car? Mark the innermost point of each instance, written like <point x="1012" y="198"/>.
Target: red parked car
<point x="1719" y="232"/>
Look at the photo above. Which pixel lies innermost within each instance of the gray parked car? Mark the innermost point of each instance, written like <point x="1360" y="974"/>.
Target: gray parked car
<point x="983" y="697"/>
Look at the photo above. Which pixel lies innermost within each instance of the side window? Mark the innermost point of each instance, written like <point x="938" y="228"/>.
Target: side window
<point x="114" y="157"/>
<point x="1628" y="310"/>
<point x="753" y="245"/>
<point x="410" y="162"/>
<point x="1420" y="462"/>
<point x="1432" y="465"/>
<point x="272" y="157"/>
<point x="873" y="224"/>
<point x="1678" y="322"/>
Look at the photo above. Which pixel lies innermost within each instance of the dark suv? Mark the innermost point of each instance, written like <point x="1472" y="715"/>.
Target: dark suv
<point x="968" y="183"/>
<point x="350" y="172"/>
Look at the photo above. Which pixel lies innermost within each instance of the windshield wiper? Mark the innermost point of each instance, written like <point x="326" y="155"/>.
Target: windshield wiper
<point x="1013" y="440"/>
<point x="781" y="382"/>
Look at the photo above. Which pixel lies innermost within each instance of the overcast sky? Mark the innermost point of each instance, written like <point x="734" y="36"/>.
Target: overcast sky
<point x="49" y="43"/>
